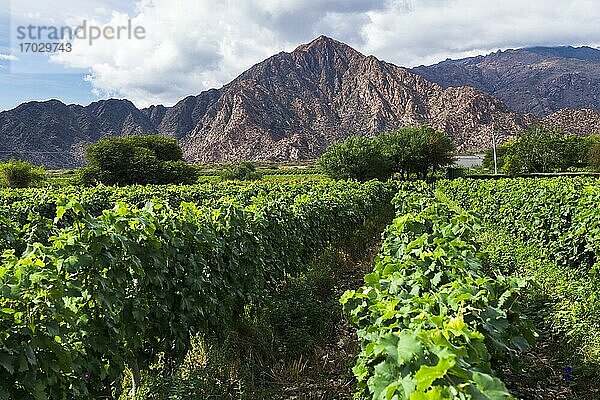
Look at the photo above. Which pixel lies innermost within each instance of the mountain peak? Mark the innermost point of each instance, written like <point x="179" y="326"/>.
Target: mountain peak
<point x="325" y="44"/>
<point x="50" y="104"/>
<point x="320" y="41"/>
<point x="289" y="106"/>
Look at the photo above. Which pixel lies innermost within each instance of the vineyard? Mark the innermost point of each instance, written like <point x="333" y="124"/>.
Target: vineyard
<point x="90" y="290"/>
<point x="430" y="319"/>
<point x="98" y="284"/>
<point x="470" y="274"/>
<point x="546" y="230"/>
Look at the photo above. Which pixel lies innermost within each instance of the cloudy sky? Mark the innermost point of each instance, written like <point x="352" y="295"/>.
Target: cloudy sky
<point x="194" y="45"/>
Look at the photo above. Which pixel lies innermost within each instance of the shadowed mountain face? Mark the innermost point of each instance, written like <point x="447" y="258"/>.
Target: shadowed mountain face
<point x="292" y="105"/>
<point x="288" y="107"/>
<point x="538" y="80"/>
<point x="54" y="134"/>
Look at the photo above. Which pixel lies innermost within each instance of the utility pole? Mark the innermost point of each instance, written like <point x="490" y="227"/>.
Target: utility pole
<point x="495" y="158"/>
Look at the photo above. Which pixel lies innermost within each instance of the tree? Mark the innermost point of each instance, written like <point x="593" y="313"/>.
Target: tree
<point x="573" y="151"/>
<point x="593" y="157"/>
<point x="21" y="174"/>
<point x="538" y="149"/>
<point x="398" y="146"/>
<point x="542" y="150"/>
<point x="137" y="160"/>
<point x="242" y="171"/>
<point x="488" y="159"/>
<point x="416" y="150"/>
<point x="437" y="151"/>
<point x="357" y="158"/>
<point x="511" y="165"/>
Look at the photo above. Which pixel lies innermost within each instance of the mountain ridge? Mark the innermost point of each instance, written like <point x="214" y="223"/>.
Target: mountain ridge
<point x="289" y="106"/>
<point x="538" y="80"/>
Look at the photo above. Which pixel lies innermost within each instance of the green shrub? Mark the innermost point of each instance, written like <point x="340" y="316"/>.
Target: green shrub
<point x="593" y="157"/>
<point x="137" y="160"/>
<point x="20" y="174"/>
<point x="357" y="158"/>
<point x="413" y="151"/>
<point x="244" y="171"/>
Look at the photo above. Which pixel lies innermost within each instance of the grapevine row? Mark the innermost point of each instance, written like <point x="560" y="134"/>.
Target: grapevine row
<point x="128" y="286"/>
<point x="430" y="316"/>
<point x="548" y="230"/>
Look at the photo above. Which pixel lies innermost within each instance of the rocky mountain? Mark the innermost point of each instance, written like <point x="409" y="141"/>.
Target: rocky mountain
<point x="290" y="106"/>
<point x="538" y="80"/>
<point x="54" y="134"/>
<point x="583" y="122"/>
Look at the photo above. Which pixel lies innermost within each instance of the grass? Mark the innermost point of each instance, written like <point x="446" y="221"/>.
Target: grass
<point x="562" y="302"/>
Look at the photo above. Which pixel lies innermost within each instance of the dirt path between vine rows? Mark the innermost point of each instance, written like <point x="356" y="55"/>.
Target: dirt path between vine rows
<point x="326" y="374"/>
<point x="546" y="372"/>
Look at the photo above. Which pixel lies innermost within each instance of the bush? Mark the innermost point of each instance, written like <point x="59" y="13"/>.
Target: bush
<point x="357" y="158"/>
<point x="137" y="160"/>
<point x="20" y="174"/>
<point x="245" y="171"/>
<point x="593" y="157"/>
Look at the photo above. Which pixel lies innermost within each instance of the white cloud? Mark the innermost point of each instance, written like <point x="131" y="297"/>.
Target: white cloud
<point x="8" y="57"/>
<point x="194" y="45"/>
<point x="59" y="11"/>
<point x="431" y="30"/>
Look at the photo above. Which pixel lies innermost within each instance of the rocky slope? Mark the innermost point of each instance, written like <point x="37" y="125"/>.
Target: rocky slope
<point x="538" y="80"/>
<point x="290" y="106"/>
<point x="54" y="134"/>
<point x="582" y="122"/>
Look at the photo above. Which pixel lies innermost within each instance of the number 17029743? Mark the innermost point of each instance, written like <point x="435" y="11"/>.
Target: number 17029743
<point x="47" y="47"/>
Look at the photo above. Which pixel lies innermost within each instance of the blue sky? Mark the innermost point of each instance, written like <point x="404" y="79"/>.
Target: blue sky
<point x="69" y="85"/>
<point x="18" y="88"/>
<point x="195" y="45"/>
